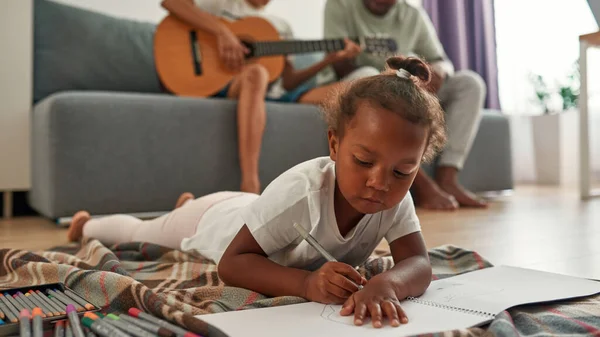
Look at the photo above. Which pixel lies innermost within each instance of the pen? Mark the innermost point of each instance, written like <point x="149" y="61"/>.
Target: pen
<point x="36" y="322"/>
<point x="24" y="323"/>
<point x="74" y="321"/>
<point x="316" y="245"/>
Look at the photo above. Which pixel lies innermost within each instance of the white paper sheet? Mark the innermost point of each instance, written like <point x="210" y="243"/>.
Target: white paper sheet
<point x="498" y="288"/>
<point x="491" y="290"/>
<point x="319" y="320"/>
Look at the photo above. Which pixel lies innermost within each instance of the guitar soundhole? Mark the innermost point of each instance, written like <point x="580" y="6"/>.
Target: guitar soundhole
<point x="251" y="50"/>
<point x="196" y="54"/>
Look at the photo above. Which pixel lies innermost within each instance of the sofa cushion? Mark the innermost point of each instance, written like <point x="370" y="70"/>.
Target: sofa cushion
<point x="78" y="49"/>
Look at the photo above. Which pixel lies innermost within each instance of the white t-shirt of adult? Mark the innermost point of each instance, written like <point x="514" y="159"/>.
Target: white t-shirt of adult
<point x="235" y="9"/>
<point x="303" y="195"/>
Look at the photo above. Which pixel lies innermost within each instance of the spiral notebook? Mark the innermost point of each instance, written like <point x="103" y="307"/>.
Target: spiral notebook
<point x="468" y="300"/>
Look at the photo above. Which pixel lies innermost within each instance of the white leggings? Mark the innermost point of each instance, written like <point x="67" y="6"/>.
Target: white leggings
<point x="168" y="230"/>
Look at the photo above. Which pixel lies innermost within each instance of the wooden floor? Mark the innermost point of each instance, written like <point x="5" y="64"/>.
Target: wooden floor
<point x="545" y="228"/>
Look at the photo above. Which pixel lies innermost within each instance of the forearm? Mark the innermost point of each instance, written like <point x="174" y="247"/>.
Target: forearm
<point x="344" y="67"/>
<point x="443" y="67"/>
<point x="293" y="78"/>
<point x="258" y="273"/>
<point x="192" y="15"/>
<point x="409" y="277"/>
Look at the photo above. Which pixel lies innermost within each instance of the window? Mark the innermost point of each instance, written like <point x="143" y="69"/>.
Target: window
<point x="540" y="37"/>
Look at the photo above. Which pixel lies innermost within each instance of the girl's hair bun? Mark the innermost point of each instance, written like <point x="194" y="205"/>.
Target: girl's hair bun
<point x="413" y="65"/>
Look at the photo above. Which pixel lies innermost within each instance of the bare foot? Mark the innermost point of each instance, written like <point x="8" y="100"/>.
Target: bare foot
<point x="76" y="229"/>
<point x="434" y="198"/>
<point x="429" y="195"/>
<point x="447" y="179"/>
<point x="183" y="198"/>
<point x="464" y="197"/>
<point x="250" y="186"/>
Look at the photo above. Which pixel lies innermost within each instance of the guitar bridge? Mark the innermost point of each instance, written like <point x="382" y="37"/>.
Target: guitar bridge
<point x="196" y="54"/>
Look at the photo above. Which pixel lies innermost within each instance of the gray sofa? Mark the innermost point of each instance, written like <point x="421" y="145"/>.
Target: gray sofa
<point x="106" y="138"/>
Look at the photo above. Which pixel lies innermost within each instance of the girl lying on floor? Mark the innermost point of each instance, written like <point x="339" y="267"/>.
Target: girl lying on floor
<point x="381" y="129"/>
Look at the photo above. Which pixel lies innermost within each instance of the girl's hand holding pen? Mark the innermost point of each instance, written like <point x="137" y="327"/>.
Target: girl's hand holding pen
<point x="333" y="283"/>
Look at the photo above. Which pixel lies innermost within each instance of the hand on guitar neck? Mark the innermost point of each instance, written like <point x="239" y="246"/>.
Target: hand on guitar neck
<point x="192" y="62"/>
<point x="350" y="51"/>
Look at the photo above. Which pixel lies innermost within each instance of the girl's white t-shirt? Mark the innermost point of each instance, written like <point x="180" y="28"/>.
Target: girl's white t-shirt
<point x="303" y="195"/>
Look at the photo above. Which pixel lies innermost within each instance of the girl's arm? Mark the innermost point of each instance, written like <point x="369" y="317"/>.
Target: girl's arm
<point x="410" y="276"/>
<point x="292" y="78"/>
<point x="411" y="273"/>
<point x="244" y="264"/>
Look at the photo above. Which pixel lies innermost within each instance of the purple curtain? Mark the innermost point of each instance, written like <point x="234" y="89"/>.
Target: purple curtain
<point x="467" y="30"/>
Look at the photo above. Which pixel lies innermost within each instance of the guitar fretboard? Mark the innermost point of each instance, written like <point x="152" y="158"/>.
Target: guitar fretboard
<point x="269" y="48"/>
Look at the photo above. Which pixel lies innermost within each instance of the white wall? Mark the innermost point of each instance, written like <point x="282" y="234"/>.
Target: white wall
<point x="305" y="16"/>
<point x="16" y="37"/>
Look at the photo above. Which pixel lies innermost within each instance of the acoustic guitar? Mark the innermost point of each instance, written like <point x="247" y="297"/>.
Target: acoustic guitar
<point x="188" y="63"/>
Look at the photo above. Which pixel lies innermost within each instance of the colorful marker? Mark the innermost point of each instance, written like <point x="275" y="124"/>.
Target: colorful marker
<point x="66" y="300"/>
<point x="14" y="302"/>
<point x="58" y="304"/>
<point x="39" y="304"/>
<point x="100" y="329"/>
<point x="26" y="301"/>
<point x="162" y="332"/>
<point x="24" y="323"/>
<point x="40" y="296"/>
<point x="88" y="332"/>
<point x="2" y="315"/>
<point x="74" y="321"/>
<point x="21" y="303"/>
<point x="37" y="324"/>
<point x="114" y="331"/>
<point x="135" y="312"/>
<point x="59" y="329"/>
<point x="129" y="327"/>
<point x="53" y="295"/>
<point x="11" y="313"/>
<point x="79" y="300"/>
<point x="1" y="322"/>
<point x="68" y="330"/>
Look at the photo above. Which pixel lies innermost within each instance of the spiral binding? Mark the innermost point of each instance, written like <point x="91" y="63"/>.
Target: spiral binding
<point x="451" y="308"/>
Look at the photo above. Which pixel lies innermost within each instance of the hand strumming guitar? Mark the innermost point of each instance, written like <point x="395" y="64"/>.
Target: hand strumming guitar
<point x="231" y="49"/>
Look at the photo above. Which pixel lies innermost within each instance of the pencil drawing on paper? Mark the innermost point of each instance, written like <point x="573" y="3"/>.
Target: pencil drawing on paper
<point x="448" y="292"/>
<point x="332" y="314"/>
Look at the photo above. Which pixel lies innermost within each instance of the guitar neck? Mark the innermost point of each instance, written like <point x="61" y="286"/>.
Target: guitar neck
<point x="270" y="48"/>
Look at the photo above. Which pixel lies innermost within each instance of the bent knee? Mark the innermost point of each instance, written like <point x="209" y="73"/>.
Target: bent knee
<point x="469" y="80"/>
<point x="255" y="75"/>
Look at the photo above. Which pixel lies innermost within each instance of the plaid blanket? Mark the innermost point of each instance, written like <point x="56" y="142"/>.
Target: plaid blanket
<point x="176" y="286"/>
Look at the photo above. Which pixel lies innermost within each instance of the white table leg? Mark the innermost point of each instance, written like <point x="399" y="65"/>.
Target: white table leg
<point x="585" y="188"/>
<point x="8" y="205"/>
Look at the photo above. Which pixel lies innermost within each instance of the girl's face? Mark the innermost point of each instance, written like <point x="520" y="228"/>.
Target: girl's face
<point x="377" y="158"/>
